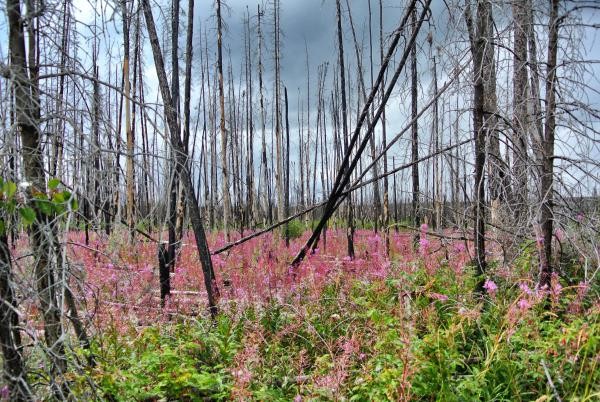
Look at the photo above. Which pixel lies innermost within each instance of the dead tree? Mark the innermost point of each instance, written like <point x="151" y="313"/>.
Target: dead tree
<point x="27" y="111"/>
<point x="128" y="130"/>
<point x="172" y="183"/>
<point x="224" y="134"/>
<point x="212" y="289"/>
<point x="386" y="202"/>
<point x="343" y="177"/>
<point x="350" y="217"/>
<point x="547" y="213"/>
<point x="416" y="207"/>
<point x="279" y="175"/>
<point x="520" y="122"/>
<point x="14" y="374"/>
<point x="478" y="45"/>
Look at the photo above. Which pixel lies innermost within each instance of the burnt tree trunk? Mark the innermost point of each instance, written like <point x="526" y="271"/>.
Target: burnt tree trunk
<point x="212" y="289"/>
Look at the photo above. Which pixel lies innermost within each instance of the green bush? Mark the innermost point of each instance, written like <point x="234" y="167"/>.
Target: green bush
<point x="294" y="229"/>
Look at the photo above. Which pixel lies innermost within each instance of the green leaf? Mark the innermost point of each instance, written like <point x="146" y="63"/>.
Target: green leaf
<point x="2" y="227"/>
<point x="74" y="204"/>
<point x="28" y="215"/>
<point x="58" y="198"/>
<point x="45" y="206"/>
<point x="53" y="183"/>
<point x="9" y="189"/>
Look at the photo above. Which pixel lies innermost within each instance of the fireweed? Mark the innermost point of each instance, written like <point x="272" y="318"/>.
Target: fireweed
<point x="407" y="326"/>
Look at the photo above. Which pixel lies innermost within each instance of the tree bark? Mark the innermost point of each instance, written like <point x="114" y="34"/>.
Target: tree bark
<point x="478" y="50"/>
<point x="224" y="134"/>
<point x="416" y="207"/>
<point x="212" y="289"/>
<point x="41" y="234"/>
<point x="547" y="213"/>
<point x="128" y="131"/>
<point x="350" y="214"/>
<point x="520" y="114"/>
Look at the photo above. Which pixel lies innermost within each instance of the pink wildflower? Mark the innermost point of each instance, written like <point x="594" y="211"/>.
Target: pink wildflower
<point x="4" y="392"/>
<point x="459" y="248"/>
<point x="490" y="287"/>
<point x="556" y="286"/>
<point x="297" y="398"/>
<point x="524" y="304"/>
<point x="424" y="227"/>
<point x="438" y="296"/>
<point x="583" y="288"/>
<point x="423" y="245"/>
<point x="525" y="288"/>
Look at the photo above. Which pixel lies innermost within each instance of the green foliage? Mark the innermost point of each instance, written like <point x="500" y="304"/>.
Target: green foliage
<point x="294" y="229"/>
<point x="177" y="361"/>
<point x="17" y="209"/>
<point x="417" y="335"/>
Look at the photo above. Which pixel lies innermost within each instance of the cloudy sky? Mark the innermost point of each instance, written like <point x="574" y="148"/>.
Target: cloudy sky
<point x="310" y="26"/>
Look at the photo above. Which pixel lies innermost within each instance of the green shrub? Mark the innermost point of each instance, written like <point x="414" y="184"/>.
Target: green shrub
<point x="294" y="229"/>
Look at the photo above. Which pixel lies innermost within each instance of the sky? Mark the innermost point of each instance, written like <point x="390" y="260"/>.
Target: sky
<point x="310" y="26"/>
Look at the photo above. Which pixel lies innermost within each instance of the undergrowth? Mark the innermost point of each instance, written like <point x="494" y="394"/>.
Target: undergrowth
<point x="413" y="335"/>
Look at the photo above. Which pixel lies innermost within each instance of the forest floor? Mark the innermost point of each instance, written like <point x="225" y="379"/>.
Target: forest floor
<point x="403" y="326"/>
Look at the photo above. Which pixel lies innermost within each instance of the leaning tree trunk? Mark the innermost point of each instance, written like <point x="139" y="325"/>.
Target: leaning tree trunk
<point x="343" y="177"/>
<point x="210" y="283"/>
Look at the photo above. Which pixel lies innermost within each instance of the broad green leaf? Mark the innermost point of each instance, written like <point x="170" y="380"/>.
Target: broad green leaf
<point x="45" y="206"/>
<point x="28" y="215"/>
<point x="9" y="189"/>
<point x="53" y="183"/>
<point x="58" y="198"/>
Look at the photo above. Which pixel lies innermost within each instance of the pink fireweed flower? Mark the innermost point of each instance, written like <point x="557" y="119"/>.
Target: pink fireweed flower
<point x="459" y="248"/>
<point x="424" y="245"/>
<point x="424" y="227"/>
<point x="555" y="286"/>
<point x="438" y="296"/>
<point x="524" y="304"/>
<point x="490" y="287"/>
<point x="525" y="288"/>
<point x="583" y="288"/>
